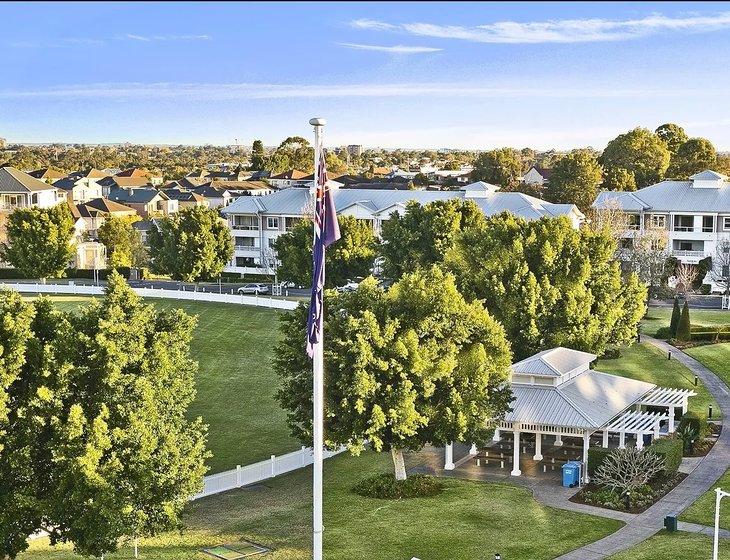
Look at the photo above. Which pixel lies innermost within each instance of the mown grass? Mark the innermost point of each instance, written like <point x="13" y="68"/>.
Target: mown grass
<point x="658" y="317"/>
<point x="674" y="546"/>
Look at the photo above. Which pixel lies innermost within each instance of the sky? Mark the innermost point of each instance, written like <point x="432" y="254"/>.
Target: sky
<point x="411" y="75"/>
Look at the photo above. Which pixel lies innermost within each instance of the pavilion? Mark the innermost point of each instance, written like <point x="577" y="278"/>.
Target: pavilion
<point x="557" y="394"/>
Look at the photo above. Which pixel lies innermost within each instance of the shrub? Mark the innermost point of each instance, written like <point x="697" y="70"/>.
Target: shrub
<point x="670" y="449"/>
<point x="665" y="333"/>
<point x="641" y="497"/>
<point x="386" y="487"/>
<point x="683" y="327"/>
<point x="693" y="420"/>
<point x="625" y="470"/>
<point x="596" y="456"/>
<point x="675" y="319"/>
<point x="611" y="354"/>
<point x="11" y="274"/>
<point x="605" y="497"/>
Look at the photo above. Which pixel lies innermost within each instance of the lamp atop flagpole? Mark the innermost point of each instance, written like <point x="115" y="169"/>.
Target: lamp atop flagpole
<point x="317" y="121"/>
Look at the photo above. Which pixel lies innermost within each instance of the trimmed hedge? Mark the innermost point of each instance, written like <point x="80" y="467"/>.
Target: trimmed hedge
<point x="11" y="274"/>
<point x="596" y="456"/>
<point x="671" y="450"/>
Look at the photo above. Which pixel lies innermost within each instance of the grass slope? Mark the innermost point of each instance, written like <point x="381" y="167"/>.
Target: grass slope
<point x="646" y="363"/>
<point x="658" y="317"/>
<point x="703" y="510"/>
<point x="716" y="357"/>
<point x="469" y="520"/>
<point x="673" y="546"/>
<point x="236" y="385"/>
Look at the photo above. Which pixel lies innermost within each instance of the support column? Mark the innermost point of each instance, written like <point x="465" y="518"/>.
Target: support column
<point x="516" y="455"/>
<point x="558" y="440"/>
<point x="622" y="440"/>
<point x="449" y="457"/>
<point x="586" y="446"/>
<point x="538" y="447"/>
<point x="605" y="438"/>
<point x="640" y="440"/>
<point x="671" y="419"/>
<point x="684" y="406"/>
<point x="496" y="436"/>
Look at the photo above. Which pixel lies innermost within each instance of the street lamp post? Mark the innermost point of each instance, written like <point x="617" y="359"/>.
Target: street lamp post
<point x="719" y="495"/>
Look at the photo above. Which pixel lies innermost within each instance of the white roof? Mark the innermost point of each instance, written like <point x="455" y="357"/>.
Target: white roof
<point x="708" y="175"/>
<point x="554" y="362"/>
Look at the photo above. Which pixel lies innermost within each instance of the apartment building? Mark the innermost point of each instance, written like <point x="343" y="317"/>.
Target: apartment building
<point x="256" y="221"/>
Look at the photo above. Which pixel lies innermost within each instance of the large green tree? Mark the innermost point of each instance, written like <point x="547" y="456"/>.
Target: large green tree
<point x="695" y="155"/>
<point x="258" y="155"/>
<point x="501" y="167"/>
<point x="123" y="242"/>
<point x="548" y="284"/>
<point x="574" y="179"/>
<point x="639" y="151"/>
<point x="421" y="236"/>
<point x="672" y="135"/>
<point x="39" y="241"/>
<point x="97" y="445"/>
<point x="413" y="365"/>
<point x="293" y="153"/>
<point x="618" y="179"/>
<point x="191" y="245"/>
<point x="351" y="256"/>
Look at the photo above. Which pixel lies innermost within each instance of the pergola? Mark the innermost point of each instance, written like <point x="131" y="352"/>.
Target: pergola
<point x="557" y="394"/>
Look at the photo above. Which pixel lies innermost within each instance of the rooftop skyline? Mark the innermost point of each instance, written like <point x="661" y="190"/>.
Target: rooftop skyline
<point x="388" y="75"/>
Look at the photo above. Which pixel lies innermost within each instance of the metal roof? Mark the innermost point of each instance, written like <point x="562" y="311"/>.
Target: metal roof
<point x="15" y="181"/>
<point x="554" y="362"/>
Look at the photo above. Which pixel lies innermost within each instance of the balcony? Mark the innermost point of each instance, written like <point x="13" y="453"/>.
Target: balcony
<point x="687" y="253"/>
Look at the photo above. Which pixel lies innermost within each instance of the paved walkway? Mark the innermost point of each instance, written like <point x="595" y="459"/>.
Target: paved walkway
<point x="699" y="481"/>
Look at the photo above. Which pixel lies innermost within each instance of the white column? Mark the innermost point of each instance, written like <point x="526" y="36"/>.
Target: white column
<point x="640" y="440"/>
<point x="449" y="457"/>
<point x="586" y="445"/>
<point x="516" y="455"/>
<point x="684" y="406"/>
<point x="605" y="438"/>
<point x="496" y="435"/>
<point x="622" y="439"/>
<point x="559" y="440"/>
<point x="671" y="419"/>
<point x="538" y="447"/>
<point x="473" y="449"/>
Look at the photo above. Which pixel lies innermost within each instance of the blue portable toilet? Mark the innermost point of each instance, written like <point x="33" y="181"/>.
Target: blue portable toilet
<point x="571" y="474"/>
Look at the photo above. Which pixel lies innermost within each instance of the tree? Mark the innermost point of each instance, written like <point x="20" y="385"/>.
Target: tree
<point x="40" y="241"/>
<point x="421" y="180"/>
<point x="258" y="155"/>
<point x="349" y="257"/>
<point x="684" y="327"/>
<point x="695" y="155"/>
<point x="98" y="445"/>
<point x="574" y="179"/>
<point x="293" y="153"/>
<point x="191" y="245"/>
<point x="406" y="367"/>
<point x="501" y="167"/>
<point x="626" y="470"/>
<point x="672" y="135"/>
<point x="648" y="256"/>
<point x="685" y="275"/>
<point x="123" y="243"/>
<point x="639" y="151"/>
<point x="422" y="235"/>
<point x="548" y="284"/>
<point x="618" y="179"/>
<point x="721" y="265"/>
<point x="674" y="322"/>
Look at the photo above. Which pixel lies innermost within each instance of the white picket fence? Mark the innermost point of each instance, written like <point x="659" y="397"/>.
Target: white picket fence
<point x="726" y="302"/>
<point x="79" y="289"/>
<point x="256" y="472"/>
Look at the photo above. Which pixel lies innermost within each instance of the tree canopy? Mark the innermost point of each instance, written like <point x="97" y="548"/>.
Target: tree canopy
<point x="192" y="244"/>
<point x="672" y="135"/>
<point x="639" y="151"/>
<point x="349" y="257"/>
<point x="95" y="436"/>
<point x="695" y="155"/>
<point x="548" y="284"/>
<point x="501" y="167"/>
<point x="618" y="179"/>
<point x="123" y="242"/>
<point x="413" y="365"/>
<point x="258" y="155"/>
<point x="575" y="179"/>
<point x="422" y="235"/>
<point x="40" y="241"/>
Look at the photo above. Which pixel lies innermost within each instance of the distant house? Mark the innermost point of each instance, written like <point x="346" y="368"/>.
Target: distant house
<point x="144" y="227"/>
<point x="47" y="175"/>
<point x="186" y="199"/>
<point x="81" y="186"/>
<point x="20" y="190"/>
<point x="148" y="202"/>
<point x="537" y="175"/>
<point x="289" y="178"/>
<point x="95" y="212"/>
<point x="108" y="184"/>
<point x="244" y="188"/>
<point x="136" y="172"/>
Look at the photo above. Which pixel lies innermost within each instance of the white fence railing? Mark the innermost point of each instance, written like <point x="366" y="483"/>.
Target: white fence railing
<point x="79" y="289"/>
<point x="725" y="302"/>
<point x="256" y="472"/>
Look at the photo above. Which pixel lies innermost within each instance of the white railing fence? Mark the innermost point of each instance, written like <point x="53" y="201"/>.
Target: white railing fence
<point x="79" y="289"/>
<point x="726" y="302"/>
<point x="256" y="472"/>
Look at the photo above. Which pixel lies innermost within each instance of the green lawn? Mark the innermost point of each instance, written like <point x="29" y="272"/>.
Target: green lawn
<point x="674" y="546"/>
<point x="658" y="317"/>
<point x="646" y="363"/>
<point x="469" y="520"/>
<point x="703" y="510"/>
<point x="236" y="385"/>
<point x="714" y="356"/>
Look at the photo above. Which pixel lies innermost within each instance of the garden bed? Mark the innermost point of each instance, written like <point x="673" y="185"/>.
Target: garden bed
<point x="593" y="495"/>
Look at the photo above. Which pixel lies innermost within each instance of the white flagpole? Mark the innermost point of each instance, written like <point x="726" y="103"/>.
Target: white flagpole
<point x="318" y="394"/>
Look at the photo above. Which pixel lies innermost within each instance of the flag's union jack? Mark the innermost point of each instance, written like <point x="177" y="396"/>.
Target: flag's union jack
<point x="326" y="232"/>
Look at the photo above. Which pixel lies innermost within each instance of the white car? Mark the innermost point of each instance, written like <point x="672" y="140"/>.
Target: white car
<point x="254" y="289"/>
<point x="351" y="286"/>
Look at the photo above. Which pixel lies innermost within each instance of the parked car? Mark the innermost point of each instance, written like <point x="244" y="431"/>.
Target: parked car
<point x="253" y="289"/>
<point x="350" y="286"/>
<point x="288" y="284"/>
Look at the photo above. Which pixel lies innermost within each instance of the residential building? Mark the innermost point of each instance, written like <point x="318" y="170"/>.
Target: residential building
<point x="20" y="190"/>
<point x="108" y="184"/>
<point x="354" y="150"/>
<point x="187" y="199"/>
<point x="148" y="202"/>
<point x="537" y="175"/>
<point x="79" y="188"/>
<point x="695" y="214"/>
<point x="154" y="179"/>
<point x="47" y="175"/>
<point x="256" y="221"/>
<point x="144" y="227"/>
<point x="289" y="178"/>
<point x="95" y="212"/>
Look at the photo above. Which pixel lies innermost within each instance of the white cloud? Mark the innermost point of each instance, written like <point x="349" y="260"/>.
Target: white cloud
<point x="232" y="91"/>
<point x="395" y="49"/>
<point x="82" y="41"/>
<point x="150" y="38"/>
<point x="558" y="31"/>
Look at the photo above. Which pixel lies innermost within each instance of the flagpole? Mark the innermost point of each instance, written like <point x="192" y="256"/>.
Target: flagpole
<point x="318" y="395"/>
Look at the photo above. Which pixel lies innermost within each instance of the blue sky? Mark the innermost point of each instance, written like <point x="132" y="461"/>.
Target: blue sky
<point x="384" y="74"/>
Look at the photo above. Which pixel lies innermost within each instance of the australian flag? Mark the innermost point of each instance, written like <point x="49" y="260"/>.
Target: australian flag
<point x="326" y="232"/>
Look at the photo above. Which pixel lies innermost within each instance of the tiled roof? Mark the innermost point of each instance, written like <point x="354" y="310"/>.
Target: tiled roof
<point x="46" y="173"/>
<point x="136" y="196"/>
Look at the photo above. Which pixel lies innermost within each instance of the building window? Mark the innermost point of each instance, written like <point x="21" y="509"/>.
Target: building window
<point x="34" y="198"/>
<point x="725" y="270"/>
<point x="708" y="224"/>
<point x="272" y="223"/>
<point x="245" y="261"/>
<point x="634" y="221"/>
<point x="658" y="221"/>
<point x="726" y="223"/>
<point x="11" y="201"/>
<point x="245" y="222"/>
<point x="684" y="223"/>
<point x="291" y="222"/>
<point x="245" y="242"/>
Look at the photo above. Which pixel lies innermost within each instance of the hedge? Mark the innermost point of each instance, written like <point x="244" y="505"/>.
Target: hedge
<point x="11" y="274"/>
<point x="671" y="450"/>
<point x="693" y="420"/>
<point x="596" y="456"/>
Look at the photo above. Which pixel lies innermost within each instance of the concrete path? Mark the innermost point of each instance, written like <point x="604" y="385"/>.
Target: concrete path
<point x="699" y="481"/>
<point x="702" y="529"/>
